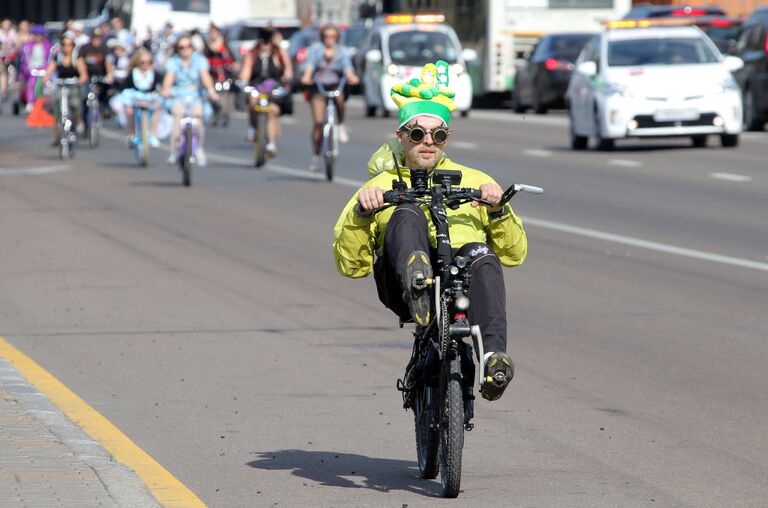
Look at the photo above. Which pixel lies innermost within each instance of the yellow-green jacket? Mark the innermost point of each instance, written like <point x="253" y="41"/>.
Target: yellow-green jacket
<point x="357" y="238"/>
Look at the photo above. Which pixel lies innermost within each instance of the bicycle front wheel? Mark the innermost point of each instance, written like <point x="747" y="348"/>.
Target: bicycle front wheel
<point x="144" y="140"/>
<point x="186" y="157"/>
<point x="94" y="124"/>
<point x="329" y="151"/>
<point x="452" y="427"/>
<point x="260" y="149"/>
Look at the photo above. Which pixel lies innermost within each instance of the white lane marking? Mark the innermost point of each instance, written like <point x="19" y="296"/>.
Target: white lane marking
<point x="731" y="177"/>
<point x="39" y="170"/>
<point x="462" y="145"/>
<point x="626" y="163"/>
<point x="646" y="244"/>
<point x="555" y="226"/>
<point x="533" y="152"/>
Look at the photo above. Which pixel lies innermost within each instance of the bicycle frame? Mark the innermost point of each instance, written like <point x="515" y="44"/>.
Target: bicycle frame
<point x="144" y="106"/>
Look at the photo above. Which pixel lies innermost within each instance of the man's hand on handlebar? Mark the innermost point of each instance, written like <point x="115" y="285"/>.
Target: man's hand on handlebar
<point x="370" y="198"/>
<point x="491" y="193"/>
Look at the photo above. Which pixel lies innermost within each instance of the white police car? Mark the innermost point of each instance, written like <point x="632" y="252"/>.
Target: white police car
<point x="395" y="50"/>
<point x="637" y="79"/>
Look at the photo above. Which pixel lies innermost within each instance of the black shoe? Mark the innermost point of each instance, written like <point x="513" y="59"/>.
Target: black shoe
<point x="416" y="281"/>
<point x="499" y="371"/>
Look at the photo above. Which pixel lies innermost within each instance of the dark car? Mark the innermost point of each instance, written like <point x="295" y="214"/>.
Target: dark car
<point x="541" y="82"/>
<point x="645" y="11"/>
<point x="298" y="49"/>
<point x="752" y="47"/>
<point x="723" y="31"/>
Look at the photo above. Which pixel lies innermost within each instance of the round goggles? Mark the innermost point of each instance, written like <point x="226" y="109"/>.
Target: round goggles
<point x="417" y="133"/>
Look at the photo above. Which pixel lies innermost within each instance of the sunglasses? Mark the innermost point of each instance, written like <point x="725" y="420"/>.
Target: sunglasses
<point x="417" y="133"/>
<point x="186" y="46"/>
<point x="145" y="62"/>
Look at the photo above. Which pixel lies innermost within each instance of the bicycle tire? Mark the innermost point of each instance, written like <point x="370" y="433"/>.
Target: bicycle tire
<point x="93" y="127"/>
<point x="330" y="159"/>
<point x="63" y="150"/>
<point x="427" y="440"/>
<point x="144" y="140"/>
<point x="186" y="158"/>
<point x="452" y="427"/>
<point x="261" y="140"/>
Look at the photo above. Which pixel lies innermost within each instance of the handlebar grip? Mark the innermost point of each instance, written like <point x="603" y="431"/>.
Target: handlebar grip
<point x="477" y="193"/>
<point x="389" y="196"/>
<point x="521" y="187"/>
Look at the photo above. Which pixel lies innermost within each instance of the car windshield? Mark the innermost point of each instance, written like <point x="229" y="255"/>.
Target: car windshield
<point x="302" y="39"/>
<point x="351" y="36"/>
<point x="690" y="50"/>
<point x="417" y="47"/>
<point x="568" y="47"/>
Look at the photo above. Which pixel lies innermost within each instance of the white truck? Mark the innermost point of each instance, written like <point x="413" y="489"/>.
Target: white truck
<point x="188" y="14"/>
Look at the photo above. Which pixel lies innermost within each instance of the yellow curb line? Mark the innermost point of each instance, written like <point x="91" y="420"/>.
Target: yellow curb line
<point x="169" y="491"/>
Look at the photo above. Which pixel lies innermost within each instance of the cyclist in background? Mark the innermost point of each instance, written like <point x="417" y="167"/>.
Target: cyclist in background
<point x="220" y="59"/>
<point x="98" y="59"/>
<point x="142" y="79"/>
<point x="34" y="57"/>
<point x="264" y="67"/>
<point x="186" y="79"/>
<point x="7" y="54"/>
<point x="327" y="62"/>
<point x="66" y="65"/>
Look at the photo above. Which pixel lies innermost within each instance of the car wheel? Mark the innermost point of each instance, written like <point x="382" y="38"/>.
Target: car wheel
<point x="465" y="113"/>
<point x="699" y="141"/>
<point x="370" y="111"/>
<point x="601" y="143"/>
<point x="729" y="140"/>
<point x="577" y="142"/>
<point x="517" y="107"/>
<point x="385" y="112"/>
<point x="538" y="107"/>
<point x="752" y="121"/>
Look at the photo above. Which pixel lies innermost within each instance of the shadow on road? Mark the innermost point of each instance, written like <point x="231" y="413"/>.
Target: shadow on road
<point x="349" y="470"/>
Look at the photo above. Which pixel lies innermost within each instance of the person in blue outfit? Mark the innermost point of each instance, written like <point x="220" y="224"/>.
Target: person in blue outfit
<point x="327" y="62"/>
<point x="187" y="80"/>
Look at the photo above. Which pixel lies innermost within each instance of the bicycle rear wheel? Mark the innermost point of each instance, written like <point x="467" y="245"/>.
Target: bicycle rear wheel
<point x="451" y="427"/>
<point x="186" y="157"/>
<point x="260" y="149"/>
<point x="329" y="150"/>
<point x="427" y="437"/>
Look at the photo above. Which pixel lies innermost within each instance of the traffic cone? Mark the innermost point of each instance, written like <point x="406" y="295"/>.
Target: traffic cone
<point x="39" y="117"/>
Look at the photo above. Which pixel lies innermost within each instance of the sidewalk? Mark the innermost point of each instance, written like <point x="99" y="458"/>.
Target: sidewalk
<point x="47" y="461"/>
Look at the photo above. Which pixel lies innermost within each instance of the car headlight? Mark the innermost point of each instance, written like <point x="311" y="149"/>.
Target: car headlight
<point x="727" y="85"/>
<point x="393" y="69"/>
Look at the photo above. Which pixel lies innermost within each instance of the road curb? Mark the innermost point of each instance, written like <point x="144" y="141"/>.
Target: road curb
<point x="121" y="483"/>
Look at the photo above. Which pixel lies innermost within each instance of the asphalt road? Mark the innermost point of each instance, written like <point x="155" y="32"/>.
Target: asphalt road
<point x="209" y="323"/>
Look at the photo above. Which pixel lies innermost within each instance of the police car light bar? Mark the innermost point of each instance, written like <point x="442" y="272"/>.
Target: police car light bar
<point x="649" y="23"/>
<point x="394" y="19"/>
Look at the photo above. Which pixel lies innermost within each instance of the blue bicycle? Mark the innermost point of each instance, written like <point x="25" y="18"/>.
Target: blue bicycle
<point x="144" y="106"/>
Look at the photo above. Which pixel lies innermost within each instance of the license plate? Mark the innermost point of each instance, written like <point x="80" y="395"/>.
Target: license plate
<point x="676" y="115"/>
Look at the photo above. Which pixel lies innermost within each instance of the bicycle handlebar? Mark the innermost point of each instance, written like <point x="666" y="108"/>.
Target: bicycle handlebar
<point x="67" y="82"/>
<point x="333" y="93"/>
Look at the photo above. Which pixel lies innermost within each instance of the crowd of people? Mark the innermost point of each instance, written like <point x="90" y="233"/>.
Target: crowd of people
<point x="182" y="70"/>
